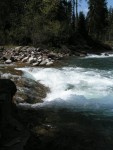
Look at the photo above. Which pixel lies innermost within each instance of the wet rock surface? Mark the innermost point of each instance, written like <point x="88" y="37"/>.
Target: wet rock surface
<point x="15" y="124"/>
<point x="50" y="128"/>
<point x="13" y="135"/>
<point x="28" y="90"/>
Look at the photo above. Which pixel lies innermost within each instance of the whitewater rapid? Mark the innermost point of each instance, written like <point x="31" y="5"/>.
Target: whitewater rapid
<point x="74" y="87"/>
<point x="102" y="55"/>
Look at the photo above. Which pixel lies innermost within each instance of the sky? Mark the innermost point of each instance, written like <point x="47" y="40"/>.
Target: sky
<point x="83" y="5"/>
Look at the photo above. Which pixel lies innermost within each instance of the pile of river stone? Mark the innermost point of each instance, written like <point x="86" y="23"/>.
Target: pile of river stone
<point x="30" y="55"/>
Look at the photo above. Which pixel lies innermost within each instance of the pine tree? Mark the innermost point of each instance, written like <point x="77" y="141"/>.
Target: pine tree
<point x="97" y="17"/>
<point x="82" y="24"/>
<point x="75" y="13"/>
<point x="110" y="25"/>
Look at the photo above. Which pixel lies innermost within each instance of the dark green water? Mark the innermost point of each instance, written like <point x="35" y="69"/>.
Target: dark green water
<point x="102" y="63"/>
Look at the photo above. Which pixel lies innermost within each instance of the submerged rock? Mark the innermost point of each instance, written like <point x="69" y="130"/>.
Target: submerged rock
<point x="24" y="94"/>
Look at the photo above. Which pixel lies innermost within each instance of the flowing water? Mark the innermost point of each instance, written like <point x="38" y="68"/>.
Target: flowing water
<point x="85" y="84"/>
<point x="81" y="93"/>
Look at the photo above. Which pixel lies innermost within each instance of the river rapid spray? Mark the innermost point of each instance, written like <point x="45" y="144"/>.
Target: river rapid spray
<point x="77" y="112"/>
<point x="83" y="84"/>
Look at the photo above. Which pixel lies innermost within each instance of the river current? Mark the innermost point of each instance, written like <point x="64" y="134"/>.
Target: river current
<point x="78" y="110"/>
<point x="80" y="84"/>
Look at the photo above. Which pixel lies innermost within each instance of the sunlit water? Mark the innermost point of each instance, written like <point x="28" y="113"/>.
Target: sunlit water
<point x="80" y="84"/>
<point x="79" y="106"/>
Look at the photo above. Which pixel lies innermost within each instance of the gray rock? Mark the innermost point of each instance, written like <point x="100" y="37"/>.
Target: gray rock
<point x="31" y="60"/>
<point x="8" y="61"/>
<point x="18" y="48"/>
<point x="24" y="48"/>
<point x="29" y="49"/>
<point x="25" y="59"/>
<point x="52" y="55"/>
<point x="49" y="63"/>
<point x="36" y="64"/>
<point x="32" y="52"/>
<point x="44" y="62"/>
<point x="40" y="60"/>
<point x="7" y="55"/>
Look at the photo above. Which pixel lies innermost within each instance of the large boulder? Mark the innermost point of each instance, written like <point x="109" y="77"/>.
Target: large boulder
<point x="13" y="135"/>
<point x="7" y="91"/>
<point x="7" y="86"/>
<point x="8" y="61"/>
<point x="31" y="60"/>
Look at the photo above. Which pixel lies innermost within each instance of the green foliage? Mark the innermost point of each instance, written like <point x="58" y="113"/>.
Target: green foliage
<point x="109" y="33"/>
<point x="97" y="17"/>
<point x="45" y="21"/>
<point x="51" y="22"/>
<point x="82" y="24"/>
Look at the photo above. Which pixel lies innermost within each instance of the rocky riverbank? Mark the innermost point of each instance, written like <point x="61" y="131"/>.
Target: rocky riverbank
<point x="32" y="56"/>
<point x="29" y="55"/>
<point x="48" y="128"/>
<point x="24" y="86"/>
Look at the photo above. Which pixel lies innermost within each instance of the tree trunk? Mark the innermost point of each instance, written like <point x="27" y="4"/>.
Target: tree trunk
<point x="76" y="6"/>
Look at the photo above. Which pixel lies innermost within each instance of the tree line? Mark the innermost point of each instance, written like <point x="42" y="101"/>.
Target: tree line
<point x="53" y="22"/>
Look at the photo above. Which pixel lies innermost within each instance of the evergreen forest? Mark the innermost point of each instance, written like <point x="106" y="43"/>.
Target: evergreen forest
<point x="55" y="23"/>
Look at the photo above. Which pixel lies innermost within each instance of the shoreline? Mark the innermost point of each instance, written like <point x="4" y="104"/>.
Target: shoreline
<point x="32" y="56"/>
<point x="57" y="129"/>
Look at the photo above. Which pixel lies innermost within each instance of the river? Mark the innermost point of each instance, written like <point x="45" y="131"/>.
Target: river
<point x="80" y="102"/>
<point x="80" y="84"/>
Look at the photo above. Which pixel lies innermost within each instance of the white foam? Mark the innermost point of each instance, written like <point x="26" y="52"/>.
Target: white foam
<point x="75" y="87"/>
<point x="102" y="55"/>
